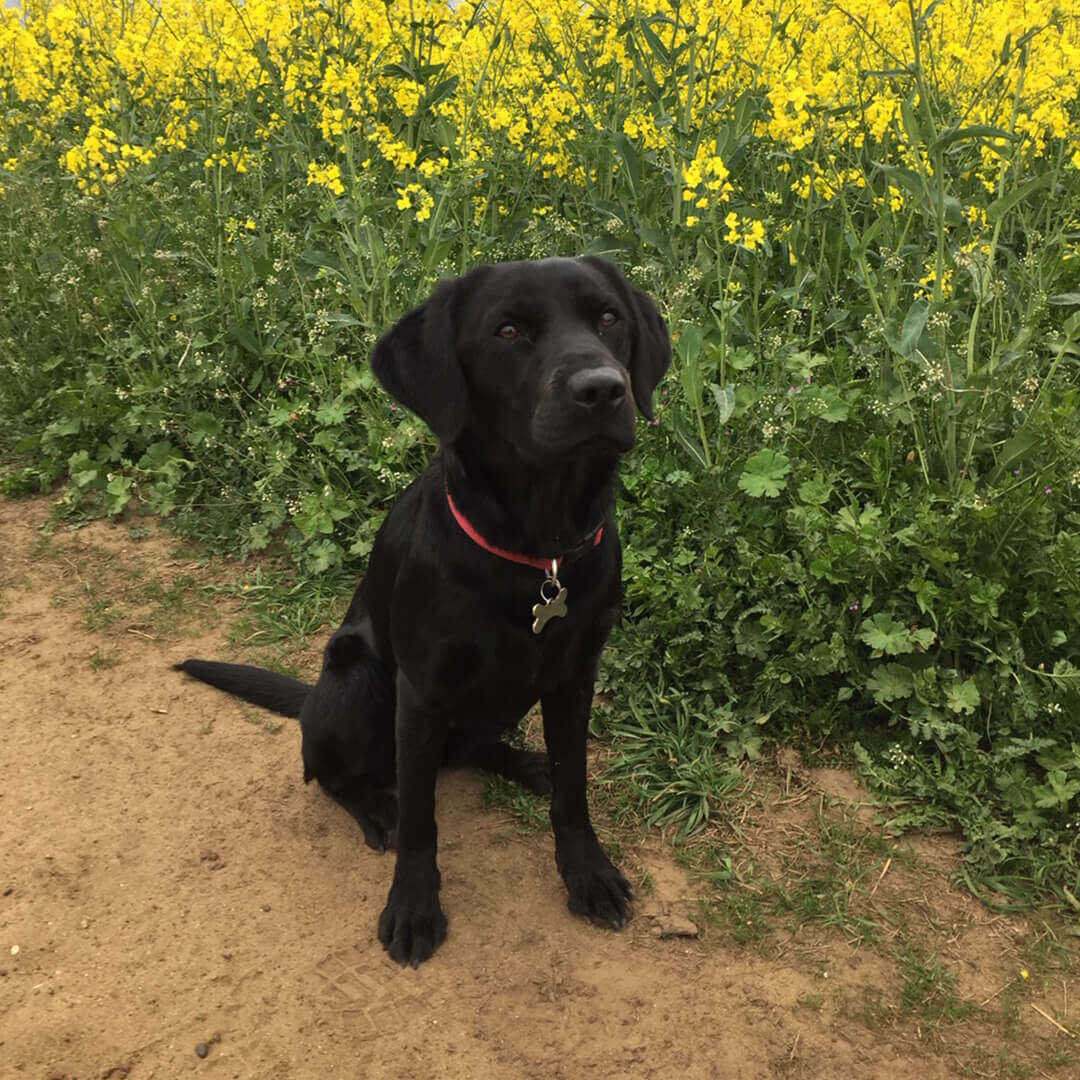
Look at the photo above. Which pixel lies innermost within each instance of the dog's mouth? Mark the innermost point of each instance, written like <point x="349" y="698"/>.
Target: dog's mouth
<point x="604" y="444"/>
<point x="562" y="438"/>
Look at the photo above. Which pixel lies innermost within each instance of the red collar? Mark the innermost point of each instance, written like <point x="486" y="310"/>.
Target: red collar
<point x="512" y="556"/>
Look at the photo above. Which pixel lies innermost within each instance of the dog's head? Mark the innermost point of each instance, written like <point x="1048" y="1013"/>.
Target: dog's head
<point x="551" y="356"/>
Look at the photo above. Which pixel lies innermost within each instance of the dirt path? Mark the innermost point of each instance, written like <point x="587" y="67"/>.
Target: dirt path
<point x="169" y="881"/>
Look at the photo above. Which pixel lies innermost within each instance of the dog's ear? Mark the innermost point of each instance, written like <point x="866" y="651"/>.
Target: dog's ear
<point x="416" y="362"/>
<point x="651" y="342"/>
<point x="652" y="351"/>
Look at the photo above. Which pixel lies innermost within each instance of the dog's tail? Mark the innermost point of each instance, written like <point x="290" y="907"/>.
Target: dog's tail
<point x="278" y="693"/>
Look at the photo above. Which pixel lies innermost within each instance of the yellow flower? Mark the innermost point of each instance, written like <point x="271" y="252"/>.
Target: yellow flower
<point x="753" y="235"/>
<point x="413" y="196"/>
<point x="327" y="176"/>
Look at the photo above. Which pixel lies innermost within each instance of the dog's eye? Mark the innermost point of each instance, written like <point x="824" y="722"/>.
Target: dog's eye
<point x="608" y="319"/>
<point x="508" y="331"/>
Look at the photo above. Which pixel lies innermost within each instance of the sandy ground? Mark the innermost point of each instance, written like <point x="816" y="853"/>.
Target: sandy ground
<point x="168" y="881"/>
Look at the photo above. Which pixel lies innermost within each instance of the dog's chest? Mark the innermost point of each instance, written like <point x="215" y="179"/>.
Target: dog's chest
<point x="493" y="675"/>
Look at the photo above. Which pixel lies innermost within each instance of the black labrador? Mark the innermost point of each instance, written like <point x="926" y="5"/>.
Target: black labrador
<point x="494" y="580"/>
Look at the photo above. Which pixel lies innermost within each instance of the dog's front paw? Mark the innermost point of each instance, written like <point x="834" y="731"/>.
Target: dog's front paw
<point x="412" y="925"/>
<point x="599" y="892"/>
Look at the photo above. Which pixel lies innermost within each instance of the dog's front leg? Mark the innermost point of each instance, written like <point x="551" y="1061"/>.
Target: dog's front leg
<point x="412" y="925"/>
<point x="597" y="889"/>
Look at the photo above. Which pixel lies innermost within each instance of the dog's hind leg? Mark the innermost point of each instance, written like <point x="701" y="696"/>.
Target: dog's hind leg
<point x="347" y="726"/>
<point x="528" y="768"/>
<point x="374" y="809"/>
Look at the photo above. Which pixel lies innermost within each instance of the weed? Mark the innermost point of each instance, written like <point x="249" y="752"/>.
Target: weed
<point x="528" y="811"/>
<point x="929" y="989"/>
<point x="280" y="607"/>
<point x="100" y="614"/>
<point x="269" y="723"/>
<point x="873" y="1011"/>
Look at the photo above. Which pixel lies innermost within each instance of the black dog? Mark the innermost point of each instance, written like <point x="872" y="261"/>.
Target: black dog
<point x="494" y="580"/>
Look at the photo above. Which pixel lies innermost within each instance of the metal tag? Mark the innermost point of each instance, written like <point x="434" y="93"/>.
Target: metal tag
<point x="552" y="599"/>
<point x="552" y="608"/>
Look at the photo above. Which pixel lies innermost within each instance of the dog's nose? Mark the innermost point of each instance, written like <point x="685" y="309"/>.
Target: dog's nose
<point x="598" y="389"/>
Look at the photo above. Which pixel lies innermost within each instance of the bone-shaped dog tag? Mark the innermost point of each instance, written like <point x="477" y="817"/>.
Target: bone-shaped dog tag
<point x="550" y="609"/>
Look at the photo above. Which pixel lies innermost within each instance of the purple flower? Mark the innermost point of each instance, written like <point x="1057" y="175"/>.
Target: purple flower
<point x="1048" y="490"/>
<point x="854" y="607"/>
<point x="393" y="407"/>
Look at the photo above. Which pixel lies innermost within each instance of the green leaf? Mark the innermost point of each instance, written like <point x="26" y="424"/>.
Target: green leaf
<point x="883" y="633"/>
<point x="1058" y="790"/>
<point x="330" y="413"/>
<point x="203" y="426"/>
<point x="340" y="320"/>
<point x="973" y="131"/>
<point x="117" y="494"/>
<point x="321" y="555"/>
<point x="258" y="536"/>
<point x="889" y="682"/>
<point x="660" y="50"/>
<point x="83" y="478"/>
<point x="724" y="396"/>
<point x="631" y="160"/>
<point x="911" y="122"/>
<point x="833" y="408"/>
<point x="741" y="358"/>
<point x="162" y="497"/>
<point x="1018" y="448"/>
<point x="963" y="697"/>
<point x="326" y="260"/>
<point x="914" y="324"/>
<point x="816" y="492"/>
<point x="765" y="474"/>
<point x="159" y="455"/>
<point x="804" y="363"/>
<point x="439" y="93"/>
<point x="69" y="426"/>
<point x="1000" y="207"/>
<point x="858" y="524"/>
<point x="246" y="340"/>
